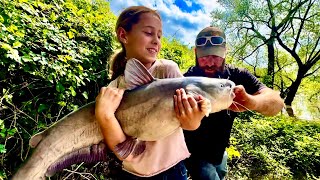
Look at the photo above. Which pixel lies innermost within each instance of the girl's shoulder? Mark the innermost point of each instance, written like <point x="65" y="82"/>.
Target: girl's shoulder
<point x="119" y="82"/>
<point x="169" y="65"/>
<point x="167" y="62"/>
<point x="164" y="68"/>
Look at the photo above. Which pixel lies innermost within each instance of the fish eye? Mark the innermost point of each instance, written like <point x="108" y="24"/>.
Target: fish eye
<point x="221" y="85"/>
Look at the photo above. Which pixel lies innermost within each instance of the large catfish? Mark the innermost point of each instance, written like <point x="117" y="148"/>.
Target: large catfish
<point x="146" y="113"/>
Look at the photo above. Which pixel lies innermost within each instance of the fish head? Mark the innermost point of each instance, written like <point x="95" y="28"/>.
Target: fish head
<point x="218" y="91"/>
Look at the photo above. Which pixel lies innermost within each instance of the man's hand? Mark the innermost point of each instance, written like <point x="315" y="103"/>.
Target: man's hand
<point x="242" y="101"/>
<point x="266" y="101"/>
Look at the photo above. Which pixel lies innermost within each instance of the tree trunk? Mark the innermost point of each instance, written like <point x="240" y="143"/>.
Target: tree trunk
<point x="292" y="90"/>
<point x="271" y="60"/>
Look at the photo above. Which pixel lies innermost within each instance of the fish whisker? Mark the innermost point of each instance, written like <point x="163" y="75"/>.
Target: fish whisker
<point x="236" y="103"/>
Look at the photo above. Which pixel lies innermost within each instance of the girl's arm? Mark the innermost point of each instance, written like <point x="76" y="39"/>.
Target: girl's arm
<point x="107" y="102"/>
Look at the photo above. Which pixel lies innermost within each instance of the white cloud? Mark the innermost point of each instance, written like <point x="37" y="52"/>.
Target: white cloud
<point x="189" y="3"/>
<point x="182" y="25"/>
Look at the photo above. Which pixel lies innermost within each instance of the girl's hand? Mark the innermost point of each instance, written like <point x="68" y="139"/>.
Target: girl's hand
<point x="107" y="102"/>
<point x="188" y="110"/>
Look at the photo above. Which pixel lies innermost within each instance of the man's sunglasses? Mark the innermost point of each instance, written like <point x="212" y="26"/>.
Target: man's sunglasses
<point x="214" y="40"/>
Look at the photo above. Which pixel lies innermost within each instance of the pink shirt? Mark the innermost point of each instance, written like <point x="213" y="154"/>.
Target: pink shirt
<point x="165" y="153"/>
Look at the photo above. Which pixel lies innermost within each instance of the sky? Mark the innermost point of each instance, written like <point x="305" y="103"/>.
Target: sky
<point x="182" y="19"/>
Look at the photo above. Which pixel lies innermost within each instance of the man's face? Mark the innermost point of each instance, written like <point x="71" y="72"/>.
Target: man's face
<point x="211" y="64"/>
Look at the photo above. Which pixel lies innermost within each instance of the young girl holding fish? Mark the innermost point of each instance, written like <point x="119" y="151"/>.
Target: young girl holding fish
<point x="139" y="30"/>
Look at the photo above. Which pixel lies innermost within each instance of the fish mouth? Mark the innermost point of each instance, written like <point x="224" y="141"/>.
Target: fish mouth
<point x="232" y="94"/>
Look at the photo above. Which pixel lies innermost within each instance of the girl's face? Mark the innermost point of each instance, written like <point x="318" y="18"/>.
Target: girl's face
<point x="143" y="41"/>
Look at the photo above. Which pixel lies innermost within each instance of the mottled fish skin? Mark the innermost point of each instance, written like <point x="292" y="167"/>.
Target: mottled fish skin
<point x="153" y="104"/>
<point x="76" y="130"/>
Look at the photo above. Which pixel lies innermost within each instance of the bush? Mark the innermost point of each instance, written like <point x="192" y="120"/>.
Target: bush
<point x="53" y="60"/>
<point x="276" y="148"/>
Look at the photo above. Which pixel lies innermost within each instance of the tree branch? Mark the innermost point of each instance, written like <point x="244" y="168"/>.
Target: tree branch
<point x="292" y="11"/>
<point x="301" y="26"/>
<point x="312" y="72"/>
<point x="293" y="53"/>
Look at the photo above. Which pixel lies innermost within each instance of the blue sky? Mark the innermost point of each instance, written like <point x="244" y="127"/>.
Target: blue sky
<point x="182" y="19"/>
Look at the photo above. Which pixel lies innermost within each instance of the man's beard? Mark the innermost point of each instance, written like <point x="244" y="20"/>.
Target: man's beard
<point x="212" y="71"/>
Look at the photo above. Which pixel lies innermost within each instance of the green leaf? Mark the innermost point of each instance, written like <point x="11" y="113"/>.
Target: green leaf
<point x="17" y="44"/>
<point x="85" y="95"/>
<point x="62" y="103"/>
<point x="2" y="149"/>
<point x="2" y="133"/>
<point x="1" y="19"/>
<point x="53" y="16"/>
<point x="1" y="124"/>
<point x="6" y="46"/>
<point x="59" y="87"/>
<point x="70" y="34"/>
<point x="11" y="132"/>
<point x="12" y="28"/>
<point x="42" y="107"/>
<point x="14" y="54"/>
<point x="73" y="92"/>
<point x="26" y="58"/>
<point x="80" y="67"/>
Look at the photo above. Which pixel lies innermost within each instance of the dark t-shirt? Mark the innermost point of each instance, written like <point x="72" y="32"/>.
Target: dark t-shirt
<point x="209" y="141"/>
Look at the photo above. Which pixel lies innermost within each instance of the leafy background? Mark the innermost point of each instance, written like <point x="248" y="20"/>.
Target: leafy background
<point x="54" y="58"/>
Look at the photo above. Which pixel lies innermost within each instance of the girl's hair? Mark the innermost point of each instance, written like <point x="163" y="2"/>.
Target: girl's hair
<point x="126" y="20"/>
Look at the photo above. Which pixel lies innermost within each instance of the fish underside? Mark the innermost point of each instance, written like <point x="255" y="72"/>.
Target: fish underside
<point x="146" y="113"/>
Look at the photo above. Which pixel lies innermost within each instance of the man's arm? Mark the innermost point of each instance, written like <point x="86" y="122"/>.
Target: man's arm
<point x="268" y="102"/>
<point x="265" y="101"/>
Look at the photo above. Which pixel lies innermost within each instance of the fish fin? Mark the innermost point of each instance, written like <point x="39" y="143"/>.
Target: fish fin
<point x="205" y="106"/>
<point x="193" y="90"/>
<point x="125" y="148"/>
<point x="139" y="148"/>
<point x="91" y="154"/>
<point x="136" y="74"/>
<point x="35" y="139"/>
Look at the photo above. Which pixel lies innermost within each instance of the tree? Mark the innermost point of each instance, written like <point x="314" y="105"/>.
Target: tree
<point x="292" y="25"/>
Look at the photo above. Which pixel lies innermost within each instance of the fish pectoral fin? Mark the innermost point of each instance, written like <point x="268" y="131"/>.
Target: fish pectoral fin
<point x="193" y="90"/>
<point x="139" y="148"/>
<point x="136" y="74"/>
<point x="205" y="106"/>
<point x="124" y="149"/>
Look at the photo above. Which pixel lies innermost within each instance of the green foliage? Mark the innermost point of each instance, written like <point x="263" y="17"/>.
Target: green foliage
<point x="181" y="54"/>
<point x="259" y="32"/>
<point x="53" y="59"/>
<point x="276" y="148"/>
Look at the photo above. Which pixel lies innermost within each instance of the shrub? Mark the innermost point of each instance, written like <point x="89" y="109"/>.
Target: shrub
<point x="276" y="148"/>
<point x="53" y="60"/>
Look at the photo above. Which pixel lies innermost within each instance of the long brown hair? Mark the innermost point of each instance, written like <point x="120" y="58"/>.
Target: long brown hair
<point x="126" y="20"/>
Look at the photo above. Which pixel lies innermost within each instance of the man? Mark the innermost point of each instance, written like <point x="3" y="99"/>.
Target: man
<point x="207" y="144"/>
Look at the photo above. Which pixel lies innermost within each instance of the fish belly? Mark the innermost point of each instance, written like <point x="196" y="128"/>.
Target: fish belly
<point x="150" y="120"/>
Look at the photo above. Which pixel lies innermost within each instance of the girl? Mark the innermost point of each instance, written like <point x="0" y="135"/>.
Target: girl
<point x="139" y="30"/>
